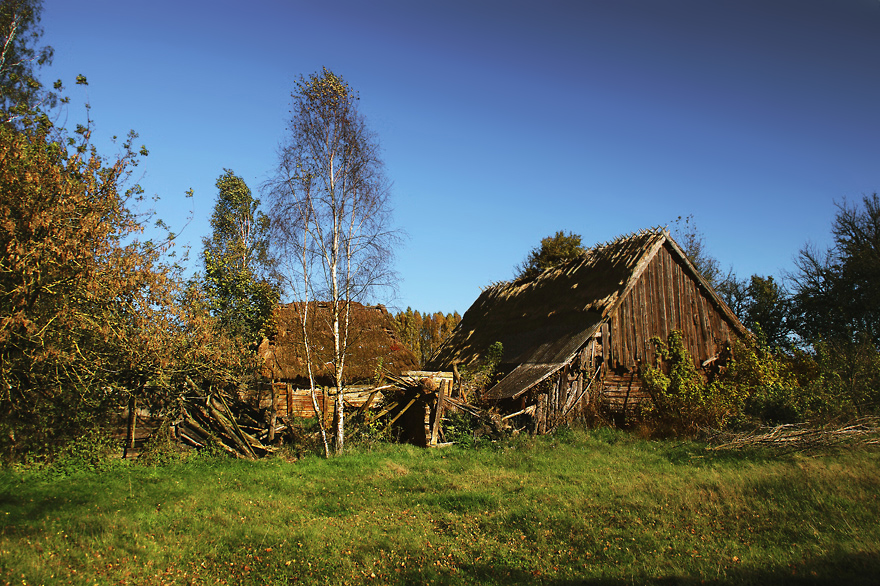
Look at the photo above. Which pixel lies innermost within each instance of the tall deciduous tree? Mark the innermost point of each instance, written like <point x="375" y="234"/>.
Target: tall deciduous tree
<point x="693" y="244"/>
<point x="836" y="292"/>
<point x="409" y="326"/>
<point x="837" y="304"/>
<point x="762" y="305"/>
<point x="89" y="319"/>
<point x="61" y="262"/>
<point x="92" y="318"/>
<point x="330" y="208"/>
<point x="553" y="251"/>
<point x="423" y="334"/>
<point x="735" y="293"/>
<point x="769" y="308"/>
<point x="241" y="292"/>
<point x="20" y="58"/>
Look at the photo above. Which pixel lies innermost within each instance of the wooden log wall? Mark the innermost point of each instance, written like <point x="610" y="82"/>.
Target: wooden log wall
<point x="664" y="299"/>
<point x="621" y="394"/>
<point x="293" y="402"/>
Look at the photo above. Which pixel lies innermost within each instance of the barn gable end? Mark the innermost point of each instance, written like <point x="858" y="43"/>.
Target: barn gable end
<point x="664" y="297"/>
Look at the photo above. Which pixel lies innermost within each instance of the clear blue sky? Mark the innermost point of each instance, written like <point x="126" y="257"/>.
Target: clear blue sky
<point x="504" y="121"/>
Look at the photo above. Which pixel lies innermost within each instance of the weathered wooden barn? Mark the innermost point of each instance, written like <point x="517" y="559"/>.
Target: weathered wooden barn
<point x="373" y="344"/>
<point x="576" y="337"/>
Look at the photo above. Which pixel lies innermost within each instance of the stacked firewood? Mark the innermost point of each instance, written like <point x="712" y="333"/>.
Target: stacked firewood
<point x="208" y="421"/>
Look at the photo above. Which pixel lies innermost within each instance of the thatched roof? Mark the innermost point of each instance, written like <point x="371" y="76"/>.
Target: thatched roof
<point x="543" y="321"/>
<point x="372" y="338"/>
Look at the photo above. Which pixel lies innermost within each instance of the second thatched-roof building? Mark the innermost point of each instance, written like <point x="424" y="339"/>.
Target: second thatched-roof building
<point x="373" y="348"/>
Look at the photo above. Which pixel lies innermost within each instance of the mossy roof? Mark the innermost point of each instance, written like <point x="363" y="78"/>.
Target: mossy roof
<point x="543" y="321"/>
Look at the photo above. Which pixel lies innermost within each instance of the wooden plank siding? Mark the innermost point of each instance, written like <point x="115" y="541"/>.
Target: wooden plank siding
<point x="622" y="393"/>
<point x="294" y="402"/>
<point x="646" y="312"/>
<point x="665" y="298"/>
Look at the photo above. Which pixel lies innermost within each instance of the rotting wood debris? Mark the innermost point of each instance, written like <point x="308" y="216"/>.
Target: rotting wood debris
<point x="239" y="431"/>
<point x="412" y="407"/>
<point x="801" y="437"/>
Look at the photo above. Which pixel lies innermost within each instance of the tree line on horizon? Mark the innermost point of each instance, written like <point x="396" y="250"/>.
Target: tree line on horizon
<point x="423" y="333"/>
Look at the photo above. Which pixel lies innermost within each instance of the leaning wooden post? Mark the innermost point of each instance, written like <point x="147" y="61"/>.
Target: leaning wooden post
<point x="132" y="425"/>
<point x="456" y="378"/>
<point x="541" y="414"/>
<point x="273" y="412"/>
<point x="329" y="406"/>
<point x="438" y="411"/>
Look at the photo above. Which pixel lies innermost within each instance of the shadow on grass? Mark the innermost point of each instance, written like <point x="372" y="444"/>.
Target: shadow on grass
<point x="30" y="503"/>
<point x="697" y="454"/>
<point x="852" y="569"/>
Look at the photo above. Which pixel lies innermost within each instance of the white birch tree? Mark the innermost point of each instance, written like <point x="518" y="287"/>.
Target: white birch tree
<point x="330" y="211"/>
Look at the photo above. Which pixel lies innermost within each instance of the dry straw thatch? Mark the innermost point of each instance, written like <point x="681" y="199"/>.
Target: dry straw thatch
<point x="373" y="343"/>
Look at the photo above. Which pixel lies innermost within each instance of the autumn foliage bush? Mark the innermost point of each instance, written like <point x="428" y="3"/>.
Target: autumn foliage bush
<point x="90" y="315"/>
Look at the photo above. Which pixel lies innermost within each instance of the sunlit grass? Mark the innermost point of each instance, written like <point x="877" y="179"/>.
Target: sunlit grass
<point x="576" y="508"/>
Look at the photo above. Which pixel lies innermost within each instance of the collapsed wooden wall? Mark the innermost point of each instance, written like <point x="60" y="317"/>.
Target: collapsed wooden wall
<point x="296" y="402"/>
<point x="566" y="395"/>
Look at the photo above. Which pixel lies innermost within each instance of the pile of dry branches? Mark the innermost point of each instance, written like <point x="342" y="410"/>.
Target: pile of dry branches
<point x="210" y="421"/>
<point x="802" y="437"/>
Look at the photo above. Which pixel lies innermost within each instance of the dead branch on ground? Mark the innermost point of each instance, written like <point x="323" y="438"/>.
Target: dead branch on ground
<point x="802" y="437"/>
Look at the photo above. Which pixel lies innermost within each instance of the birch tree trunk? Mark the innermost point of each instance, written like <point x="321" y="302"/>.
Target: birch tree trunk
<point x="330" y="203"/>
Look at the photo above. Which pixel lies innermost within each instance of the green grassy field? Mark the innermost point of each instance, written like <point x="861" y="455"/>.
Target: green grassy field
<point x="595" y="507"/>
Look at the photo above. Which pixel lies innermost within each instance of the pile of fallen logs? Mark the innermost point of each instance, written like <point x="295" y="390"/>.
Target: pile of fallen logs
<point x="415" y="406"/>
<point x="209" y="421"/>
<point x="411" y="407"/>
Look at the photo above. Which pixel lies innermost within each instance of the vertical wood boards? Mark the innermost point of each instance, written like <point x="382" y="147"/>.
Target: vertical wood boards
<point x="666" y="298"/>
<point x="606" y="344"/>
<point x="662" y="275"/>
<point x="541" y="414"/>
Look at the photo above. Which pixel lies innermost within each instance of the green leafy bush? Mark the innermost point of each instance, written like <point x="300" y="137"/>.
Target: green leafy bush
<point x="93" y="451"/>
<point x="478" y="378"/>
<point x="835" y="382"/>
<point x="463" y="429"/>
<point x="765" y="382"/>
<point x="366" y="433"/>
<point x="682" y="401"/>
<point x="844" y="381"/>
<point x="161" y="448"/>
